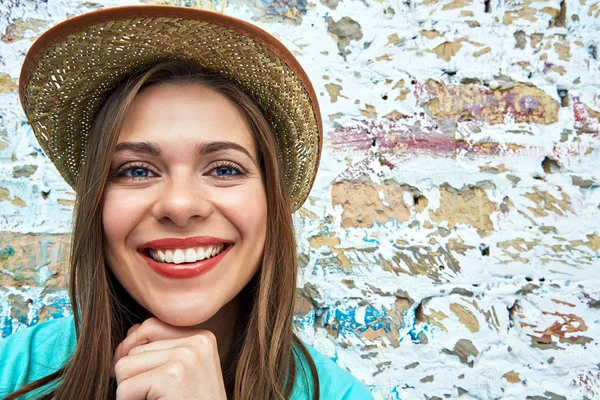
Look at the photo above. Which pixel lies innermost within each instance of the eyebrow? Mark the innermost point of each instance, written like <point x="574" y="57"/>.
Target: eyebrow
<point x="203" y="148"/>
<point x="138" y="147"/>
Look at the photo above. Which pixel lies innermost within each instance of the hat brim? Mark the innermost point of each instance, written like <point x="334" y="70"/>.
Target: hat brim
<point x="70" y="70"/>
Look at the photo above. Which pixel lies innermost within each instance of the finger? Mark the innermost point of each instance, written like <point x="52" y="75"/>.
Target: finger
<point x="129" y="332"/>
<point x="132" y="329"/>
<point x="158" y="345"/>
<point x="151" y="384"/>
<point x="132" y="365"/>
<point x="174" y="379"/>
<point x="203" y="345"/>
<point x="136" y="388"/>
<point x="195" y="351"/>
<point x="176" y="364"/>
<point x="149" y="331"/>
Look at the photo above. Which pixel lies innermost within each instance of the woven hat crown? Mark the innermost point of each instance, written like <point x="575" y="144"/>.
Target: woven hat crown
<point x="73" y="67"/>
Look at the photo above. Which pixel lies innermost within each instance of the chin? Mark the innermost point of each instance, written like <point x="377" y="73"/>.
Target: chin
<point x="196" y="309"/>
<point x="182" y="321"/>
<point x="181" y="311"/>
<point x="181" y="318"/>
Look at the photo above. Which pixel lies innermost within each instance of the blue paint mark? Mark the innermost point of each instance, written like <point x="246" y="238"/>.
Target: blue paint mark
<point x="396" y="393"/>
<point x="411" y="324"/>
<point x="34" y="320"/>
<point x="335" y="357"/>
<point x="6" y="252"/>
<point x="397" y="224"/>
<point x="344" y="321"/>
<point x="59" y="308"/>
<point x="307" y="320"/>
<point x="62" y="307"/>
<point x="415" y="333"/>
<point x="370" y="240"/>
<point x="22" y="318"/>
<point x="37" y="150"/>
<point x="7" y="328"/>
<point x="376" y="318"/>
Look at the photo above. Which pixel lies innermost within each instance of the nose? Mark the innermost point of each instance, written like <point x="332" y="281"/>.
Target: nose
<point x="182" y="201"/>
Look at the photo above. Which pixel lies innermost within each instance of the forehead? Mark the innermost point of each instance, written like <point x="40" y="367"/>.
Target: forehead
<point x="184" y="113"/>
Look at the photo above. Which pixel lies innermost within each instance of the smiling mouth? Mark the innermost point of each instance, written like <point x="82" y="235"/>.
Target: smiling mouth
<point x="186" y="255"/>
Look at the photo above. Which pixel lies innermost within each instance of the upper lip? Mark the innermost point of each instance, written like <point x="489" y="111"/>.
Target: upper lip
<point x="180" y="243"/>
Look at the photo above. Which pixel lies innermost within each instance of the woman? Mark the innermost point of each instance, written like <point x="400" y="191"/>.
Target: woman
<point x="190" y="137"/>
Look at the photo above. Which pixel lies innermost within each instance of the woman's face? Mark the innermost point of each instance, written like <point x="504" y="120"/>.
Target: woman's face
<point x="185" y="211"/>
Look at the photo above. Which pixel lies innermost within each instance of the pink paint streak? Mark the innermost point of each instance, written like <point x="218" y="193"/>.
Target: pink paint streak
<point x="583" y="121"/>
<point x="392" y="137"/>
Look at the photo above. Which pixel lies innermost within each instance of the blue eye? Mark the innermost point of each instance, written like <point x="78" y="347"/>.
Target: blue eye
<point x="226" y="171"/>
<point x="133" y="172"/>
<point x="136" y="172"/>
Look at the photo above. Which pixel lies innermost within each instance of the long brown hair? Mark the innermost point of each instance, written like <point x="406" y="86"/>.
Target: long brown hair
<point x="264" y="361"/>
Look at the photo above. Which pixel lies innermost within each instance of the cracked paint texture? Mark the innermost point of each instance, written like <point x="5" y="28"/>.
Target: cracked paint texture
<point x="450" y="246"/>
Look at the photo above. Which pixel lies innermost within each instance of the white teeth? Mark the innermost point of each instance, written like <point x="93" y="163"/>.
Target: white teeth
<point x="178" y="256"/>
<point x="190" y="255"/>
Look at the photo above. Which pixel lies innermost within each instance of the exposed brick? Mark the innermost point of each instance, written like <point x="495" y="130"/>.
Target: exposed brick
<point x="468" y="205"/>
<point x="364" y="206"/>
<point x="23" y="255"/>
<point x="521" y="103"/>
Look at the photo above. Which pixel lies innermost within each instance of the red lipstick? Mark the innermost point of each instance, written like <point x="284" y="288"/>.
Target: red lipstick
<point x="184" y="270"/>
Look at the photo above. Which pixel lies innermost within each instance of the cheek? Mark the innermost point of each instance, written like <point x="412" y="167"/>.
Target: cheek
<point x="247" y="210"/>
<point x="120" y="214"/>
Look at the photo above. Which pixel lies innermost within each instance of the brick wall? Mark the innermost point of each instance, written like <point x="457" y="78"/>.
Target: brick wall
<point x="451" y="244"/>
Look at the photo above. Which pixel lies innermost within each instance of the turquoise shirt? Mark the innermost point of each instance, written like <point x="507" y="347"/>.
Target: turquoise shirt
<point x="38" y="351"/>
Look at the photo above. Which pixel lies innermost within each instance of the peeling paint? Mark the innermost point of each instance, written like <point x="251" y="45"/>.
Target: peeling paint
<point x="343" y="32"/>
<point x="468" y="205"/>
<point x="521" y="103"/>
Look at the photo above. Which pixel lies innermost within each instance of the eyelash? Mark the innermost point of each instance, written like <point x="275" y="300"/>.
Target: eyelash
<point x="228" y="164"/>
<point x="120" y="172"/>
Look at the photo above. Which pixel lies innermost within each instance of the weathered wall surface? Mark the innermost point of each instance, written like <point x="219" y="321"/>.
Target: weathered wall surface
<point x="451" y="244"/>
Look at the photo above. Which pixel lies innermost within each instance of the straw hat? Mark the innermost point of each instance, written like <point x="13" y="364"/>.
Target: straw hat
<point x="71" y="69"/>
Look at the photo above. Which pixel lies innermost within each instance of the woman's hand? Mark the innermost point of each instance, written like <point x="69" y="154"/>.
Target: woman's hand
<point x="160" y="361"/>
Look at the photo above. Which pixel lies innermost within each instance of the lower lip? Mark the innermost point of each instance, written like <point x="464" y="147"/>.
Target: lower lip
<point x="185" y="270"/>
